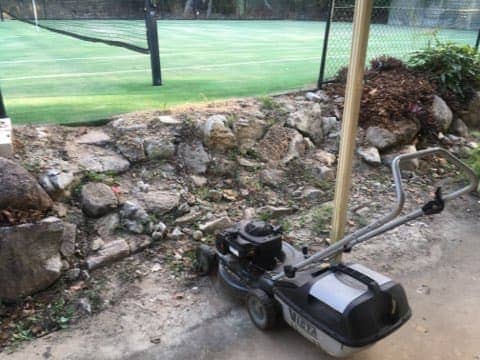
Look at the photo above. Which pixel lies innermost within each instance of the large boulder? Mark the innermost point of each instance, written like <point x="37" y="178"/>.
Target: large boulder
<point x="308" y="122"/>
<point x="161" y="202"/>
<point x="98" y="199"/>
<point x="472" y="116"/>
<point x="442" y="114"/>
<point x="281" y="144"/>
<point x="217" y="134"/>
<point x="20" y="190"/>
<point x="97" y="159"/>
<point x="380" y="138"/>
<point x="402" y="133"/>
<point x="29" y="257"/>
<point x="459" y="127"/>
<point x="248" y="132"/>
<point x="194" y="157"/>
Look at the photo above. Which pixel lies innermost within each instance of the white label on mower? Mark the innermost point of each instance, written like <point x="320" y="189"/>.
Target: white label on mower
<point x="234" y="251"/>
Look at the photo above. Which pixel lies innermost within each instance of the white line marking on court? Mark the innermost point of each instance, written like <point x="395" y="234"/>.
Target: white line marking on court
<point x="188" y="53"/>
<point x="69" y="59"/>
<point x="51" y="76"/>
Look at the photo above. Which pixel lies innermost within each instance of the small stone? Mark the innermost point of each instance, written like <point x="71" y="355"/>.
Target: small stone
<point x="310" y="96"/>
<point x="159" y="231"/>
<point x="214" y="225"/>
<point x="272" y="177"/>
<point x="84" y="305"/>
<point x="459" y="128"/>
<point x="156" y="339"/>
<point x="274" y="212"/>
<point x="161" y="202"/>
<point x="159" y="149"/>
<point x="329" y="124"/>
<point x="85" y="275"/>
<point x="195" y="290"/>
<point x="133" y="226"/>
<point x="370" y="155"/>
<point x="217" y="134"/>
<point x="112" y="251"/>
<point x="98" y="199"/>
<point x="312" y="194"/>
<point x="380" y="138"/>
<point x="198" y="181"/>
<point x="249" y="213"/>
<point x="55" y="181"/>
<point x="176" y="234"/>
<point x="132" y="148"/>
<point x="67" y="248"/>
<point x="100" y="160"/>
<point x="188" y="218"/>
<point x="442" y="114"/>
<point x="169" y="120"/>
<point x="424" y="290"/>
<point x="325" y="158"/>
<point x="214" y="195"/>
<point x="421" y="329"/>
<point x="73" y="274"/>
<point x="248" y="163"/>
<point x="105" y="226"/>
<point x="94" y="137"/>
<point x="97" y="244"/>
<point x="197" y="235"/>
<point x="156" y="268"/>
<point x="143" y="187"/>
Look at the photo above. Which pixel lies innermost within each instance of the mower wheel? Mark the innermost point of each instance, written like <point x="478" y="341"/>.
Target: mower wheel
<point x="206" y="260"/>
<point x="262" y="309"/>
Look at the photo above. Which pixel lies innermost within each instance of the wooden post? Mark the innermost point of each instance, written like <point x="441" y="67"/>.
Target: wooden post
<point x="353" y="95"/>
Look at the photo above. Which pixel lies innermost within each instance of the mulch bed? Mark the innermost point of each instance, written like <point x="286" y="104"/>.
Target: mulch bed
<point x="392" y="93"/>
<point x="11" y="217"/>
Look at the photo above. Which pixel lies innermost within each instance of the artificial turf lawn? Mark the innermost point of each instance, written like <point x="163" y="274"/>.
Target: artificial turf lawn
<point x="52" y="78"/>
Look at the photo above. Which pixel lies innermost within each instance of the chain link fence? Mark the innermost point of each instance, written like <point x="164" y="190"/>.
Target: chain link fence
<point x="398" y="28"/>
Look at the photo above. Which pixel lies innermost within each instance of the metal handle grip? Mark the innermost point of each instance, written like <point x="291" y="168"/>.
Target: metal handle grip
<point x="389" y="221"/>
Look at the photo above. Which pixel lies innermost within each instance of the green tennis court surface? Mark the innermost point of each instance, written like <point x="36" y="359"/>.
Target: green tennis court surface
<point x="52" y="78"/>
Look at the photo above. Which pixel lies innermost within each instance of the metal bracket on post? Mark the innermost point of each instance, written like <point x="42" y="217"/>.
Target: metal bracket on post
<point x="321" y="76"/>
<point x="152" y="40"/>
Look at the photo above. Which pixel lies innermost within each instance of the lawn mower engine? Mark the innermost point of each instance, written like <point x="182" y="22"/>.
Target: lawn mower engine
<point x="253" y="242"/>
<point x="341" y="308"/>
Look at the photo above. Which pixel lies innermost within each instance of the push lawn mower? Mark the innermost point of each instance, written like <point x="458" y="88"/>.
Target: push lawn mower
<point x="343" y="308"/>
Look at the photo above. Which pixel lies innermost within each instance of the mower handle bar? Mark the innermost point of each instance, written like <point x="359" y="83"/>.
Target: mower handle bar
<point x="391" y="221"/>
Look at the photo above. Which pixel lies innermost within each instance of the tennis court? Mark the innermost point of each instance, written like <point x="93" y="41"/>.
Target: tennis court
<point x="52" y="78"/>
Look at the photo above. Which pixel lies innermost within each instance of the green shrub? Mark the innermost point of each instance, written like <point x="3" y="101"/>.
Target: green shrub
<point x="474" y="160"/>
<point x="455" y="68"/>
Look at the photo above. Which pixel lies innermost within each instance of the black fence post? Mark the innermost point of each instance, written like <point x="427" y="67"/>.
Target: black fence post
<point x="321" y="76"/>
<point x="1" y="12"/>
<point x="152" y="40"/>
<point x="3" y="111"/>
<point x="478" y="40"/>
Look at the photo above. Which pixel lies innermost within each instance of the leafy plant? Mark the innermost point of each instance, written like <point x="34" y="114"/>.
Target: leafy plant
<point x="455" y="68"/>
<point x="474" y="160"/>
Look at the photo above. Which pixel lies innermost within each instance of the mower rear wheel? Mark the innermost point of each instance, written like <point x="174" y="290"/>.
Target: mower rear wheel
<point x="206" y="260"/>
<point x="262" y="309"/>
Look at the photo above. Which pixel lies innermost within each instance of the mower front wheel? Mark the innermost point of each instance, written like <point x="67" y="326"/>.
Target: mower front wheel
<point x="206" y="260"/>
<point x="262" y="309"/>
